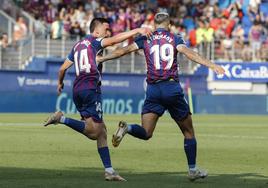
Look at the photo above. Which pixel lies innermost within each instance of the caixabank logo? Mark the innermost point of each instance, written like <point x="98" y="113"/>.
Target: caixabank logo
<point x="244" y="72"/>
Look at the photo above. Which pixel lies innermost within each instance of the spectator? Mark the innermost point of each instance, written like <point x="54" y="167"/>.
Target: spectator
<point x="215" y="23"/>
<point x="122" y="20"/>
<point x="255" y="35"/>
<point x="20" y="30"/>
<point x="228" y="26"/>
<point x="188" y="23"/>
<point x="79" y="14"/>
<point x="192" y="38"/>
<point x="238" y="36"/>
<point x="50" y="13"/>
<point x="136" y="19"/>
<point x="92" y="5"/>
<point x="200" y="32"/>
<point x="235" y="11"/>
<point x="148" y="22"/>
<point x="87" y="20"/>
<point x="39" y="27"/>
<point x="56" y="28"/>
<point x="101" y="12"/>
<point x="6" y="5"/>
<point x="182" y="10"/>
<point x="227" y="45"/>
<point x="209" y="33"/>
<point x="4" y="41"/>
<point x="76" y="31"/>
<point x="66" y="24"/>
<point x="246" y="52"/>
<point x="71" y="14"/>
<point x="208" y="12"/>
<point x="118" y="27"/>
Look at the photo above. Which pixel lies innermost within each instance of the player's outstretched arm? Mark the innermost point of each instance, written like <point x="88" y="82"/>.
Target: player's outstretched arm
<point x="118" y="53"/>
<point x="192" y="55"/>
<point x="125" y="35"/>
<point x="67" y="63"/>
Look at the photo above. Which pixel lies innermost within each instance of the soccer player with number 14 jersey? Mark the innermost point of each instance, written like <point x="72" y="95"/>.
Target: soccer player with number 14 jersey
<point x="86" y="88"/>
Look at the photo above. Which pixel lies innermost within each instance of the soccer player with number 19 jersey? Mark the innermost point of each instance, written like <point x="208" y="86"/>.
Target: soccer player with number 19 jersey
<point x="163" y="88"/>
<point x="86" y="88"/>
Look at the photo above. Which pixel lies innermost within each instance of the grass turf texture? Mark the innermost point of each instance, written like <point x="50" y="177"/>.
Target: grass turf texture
<point x="234" y="150"/>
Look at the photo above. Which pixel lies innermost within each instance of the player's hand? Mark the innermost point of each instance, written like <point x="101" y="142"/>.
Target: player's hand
<point x="99" y="59"/>
<point x="145" y="31"/>
<point x="60" y="88"/>
<point x="218" y="69"/>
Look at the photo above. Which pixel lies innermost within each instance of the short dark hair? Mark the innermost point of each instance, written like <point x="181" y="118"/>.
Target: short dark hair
<point x="95" y="22"/>
<point x="161" y="17"/>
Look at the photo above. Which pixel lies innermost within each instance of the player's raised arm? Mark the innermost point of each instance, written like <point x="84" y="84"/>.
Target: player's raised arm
<point x="125" y="35"/>
<point x="117" y="53"/>
<point x="192" y="55"/>
<point x="67" y="63"/>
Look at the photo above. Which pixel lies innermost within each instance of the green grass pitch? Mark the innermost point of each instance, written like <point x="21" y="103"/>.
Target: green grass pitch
<point x="234" y="150"/>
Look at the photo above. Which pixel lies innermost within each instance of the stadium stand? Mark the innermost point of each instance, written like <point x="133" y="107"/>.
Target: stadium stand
<point x="220" y="30"/>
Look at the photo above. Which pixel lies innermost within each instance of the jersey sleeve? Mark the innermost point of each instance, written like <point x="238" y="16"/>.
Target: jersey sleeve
<point x="70" y="56"/>
<point x="97" y="43"/>
<point x="179" y="40"/>
<point x="139" y="41"/>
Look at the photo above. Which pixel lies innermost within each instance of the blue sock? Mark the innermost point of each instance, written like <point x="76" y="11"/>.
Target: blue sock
<point x="190" y="150"/>
<point x="137" y="131"/>
<point x="76" y="125"/>
<point x="105" y="156"/>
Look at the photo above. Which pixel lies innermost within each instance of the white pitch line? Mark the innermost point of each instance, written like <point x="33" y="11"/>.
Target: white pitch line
<point x="198" y="135"/>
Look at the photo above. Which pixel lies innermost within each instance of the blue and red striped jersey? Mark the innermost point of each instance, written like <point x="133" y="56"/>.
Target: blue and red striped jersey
<point x="161" y="54"/>
<point x="83" y="55"/>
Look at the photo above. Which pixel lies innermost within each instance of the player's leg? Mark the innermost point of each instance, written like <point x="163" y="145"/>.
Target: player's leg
<point x="103" y="150"/>
<point x="100" y="132"/>
<point x="180" y="112"/>
<point x="190" y="148"/>
<point x="144" y="131"/>
<point x="88" y="103"/>
<point x="58" y="117"/>
<point x="80" y="99"/>
<point x="95" y="129"/>
<point x="152" y="110"/>
<point x="190" y="144"/>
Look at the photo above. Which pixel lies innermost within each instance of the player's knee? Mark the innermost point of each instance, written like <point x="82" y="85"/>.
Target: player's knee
<point x="188" y="133"/>
<point x="92" y="136"/>
<point x="102" y="134"/>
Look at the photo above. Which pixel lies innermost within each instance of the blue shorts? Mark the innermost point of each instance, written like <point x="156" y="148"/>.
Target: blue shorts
<point x="89" y="104"/>
<point x="166" y="95"/>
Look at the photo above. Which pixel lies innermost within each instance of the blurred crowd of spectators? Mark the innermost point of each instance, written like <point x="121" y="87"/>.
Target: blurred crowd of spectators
<point x="241" y="25"/>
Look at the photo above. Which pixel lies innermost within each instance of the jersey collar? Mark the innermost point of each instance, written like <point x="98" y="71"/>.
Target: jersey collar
<point x="161" y="29"/>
